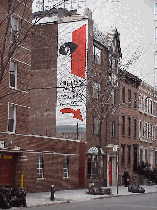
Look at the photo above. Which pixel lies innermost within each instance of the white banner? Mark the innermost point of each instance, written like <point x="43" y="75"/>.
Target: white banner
<point x="71" y="76"/>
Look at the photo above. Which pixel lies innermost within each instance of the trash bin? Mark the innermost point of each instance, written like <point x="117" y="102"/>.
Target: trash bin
<point x="52" y="193"/>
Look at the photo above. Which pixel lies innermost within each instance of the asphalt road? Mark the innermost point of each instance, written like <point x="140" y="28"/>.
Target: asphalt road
<point x="136" y="202"/>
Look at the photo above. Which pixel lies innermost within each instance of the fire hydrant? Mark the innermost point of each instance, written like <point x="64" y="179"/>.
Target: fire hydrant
<point x="52" y="193"/>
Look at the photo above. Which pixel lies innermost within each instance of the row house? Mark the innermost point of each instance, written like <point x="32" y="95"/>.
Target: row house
<point x="134" y="102"/>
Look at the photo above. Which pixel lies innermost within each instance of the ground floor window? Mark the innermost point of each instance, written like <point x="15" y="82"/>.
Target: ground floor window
<point x="156" y="158"/>
<point x="40" y="167"/>
<point x="66" y="167"/>
<point x="92" y="171"/>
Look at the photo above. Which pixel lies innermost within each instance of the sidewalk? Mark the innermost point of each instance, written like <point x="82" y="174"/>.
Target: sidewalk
<point x="64" y="196"/>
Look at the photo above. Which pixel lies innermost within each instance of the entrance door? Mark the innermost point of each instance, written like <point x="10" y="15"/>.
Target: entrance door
<point x="110" y="172"/>
<point x="135" y="159"/>
<point x="7" y="170"/>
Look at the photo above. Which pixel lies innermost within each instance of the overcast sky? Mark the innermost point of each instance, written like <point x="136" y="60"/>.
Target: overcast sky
<point x="134" y="20"/>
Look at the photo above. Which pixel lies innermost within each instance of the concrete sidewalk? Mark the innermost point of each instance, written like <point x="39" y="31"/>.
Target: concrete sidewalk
<point x="64" y="196"/>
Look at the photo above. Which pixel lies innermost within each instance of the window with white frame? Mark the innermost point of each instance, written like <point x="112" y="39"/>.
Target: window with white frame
<point x="155" y="11"/>
<point x="150" y="106"/>
<point x="151" y="130"/>
<point x="96" y="90"/>
<point x="155" y="108"/>
<point x="13" y="75"/>
<point x="66" y="167"/>
<point x="146" y="130"/>
<point x="156" y="35"/>
<point x="96" y="125"/>
<point x="140" y="129"/>
<point x="96" y="55"/>
<point x="146" y="105"/>
<point x="155" y="60"/>
<point x="14" y="29"/>
<point x="40" y="167"/>
<point x="11" y="118"/>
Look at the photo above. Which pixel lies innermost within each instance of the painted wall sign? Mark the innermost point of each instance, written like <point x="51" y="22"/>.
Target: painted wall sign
<point x="71" y="76"/>
<point x="7" y="157"/>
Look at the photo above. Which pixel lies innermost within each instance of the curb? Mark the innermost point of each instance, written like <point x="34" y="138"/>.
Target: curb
<point x="47" y="204"/>
<point x="100" y="197"/>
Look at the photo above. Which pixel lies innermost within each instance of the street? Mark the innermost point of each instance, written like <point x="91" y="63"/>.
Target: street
<point x="142" y="201"/>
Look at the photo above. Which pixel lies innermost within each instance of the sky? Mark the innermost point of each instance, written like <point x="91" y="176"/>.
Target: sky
<point x="134" y="20"/>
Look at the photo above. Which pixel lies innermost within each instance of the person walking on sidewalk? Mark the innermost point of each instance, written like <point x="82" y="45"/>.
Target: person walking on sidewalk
<point x="126" y="177"/>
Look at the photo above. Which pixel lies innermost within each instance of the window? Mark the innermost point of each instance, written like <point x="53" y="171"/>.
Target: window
<point x="96" y="90"/>
<point x="140" y="102"/>
<point x="97" y="55"/>
<point x="66" y="167"/>
<point x="140" y="129"/>
<point x="11" y="118"/>
<point x="156" y="158"/>
<point x="151" y="130"/>
<point x="129" y="126"/>
<point x="146" y="130"/>
<point x="129" y="147"/>
<point x="151" y="106"/>
<point x="146" y="104"/>
<point x="14" y="29"/>
<point x="13" y="75"/>
<point x="113" y="128"/>
<point x="129" y="97"/>
<point x="123" y="125"/>
<point x="40" y="167"/>
<point x="135" y="127"/>
<point x="96" y="125"/>
<point x="155" y="108"/>
<point x="123" y="95"/>
<point x="146" y="155"/>
<point x="113" y="95"/>
<point x="92" y="166"/>
<point x="155" y="60"/>
<point x="122" y="153"/>
<point x="156" y="35"/>
<point x="155" y="11"/>
<point x="135" y="98"/>
<point x="141" y="155"/>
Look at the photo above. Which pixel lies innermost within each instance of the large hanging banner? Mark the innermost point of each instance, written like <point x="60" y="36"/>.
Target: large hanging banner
<point x="71" y="76"/>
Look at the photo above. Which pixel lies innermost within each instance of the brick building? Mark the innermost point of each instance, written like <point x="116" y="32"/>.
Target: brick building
<point x="64" y="99"/>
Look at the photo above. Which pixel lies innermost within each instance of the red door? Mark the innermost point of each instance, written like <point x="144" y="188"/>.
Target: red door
<point x="7" y="170"/>
<point x="110" y="172"/>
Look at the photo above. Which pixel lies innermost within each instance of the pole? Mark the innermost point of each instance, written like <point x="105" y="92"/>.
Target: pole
<point x="21" y="180"/>
<point x="117" y="168"/>
<point x="77" y="130"/>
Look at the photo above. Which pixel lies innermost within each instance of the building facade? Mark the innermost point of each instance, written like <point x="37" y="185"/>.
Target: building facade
<point x="66" y="105"/>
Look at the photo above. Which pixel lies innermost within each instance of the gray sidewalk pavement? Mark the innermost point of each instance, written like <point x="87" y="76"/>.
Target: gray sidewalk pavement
<point x="64" y="196"/>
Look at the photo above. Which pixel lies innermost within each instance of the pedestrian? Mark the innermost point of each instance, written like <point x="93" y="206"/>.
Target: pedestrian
<point x="126" y="177"/>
